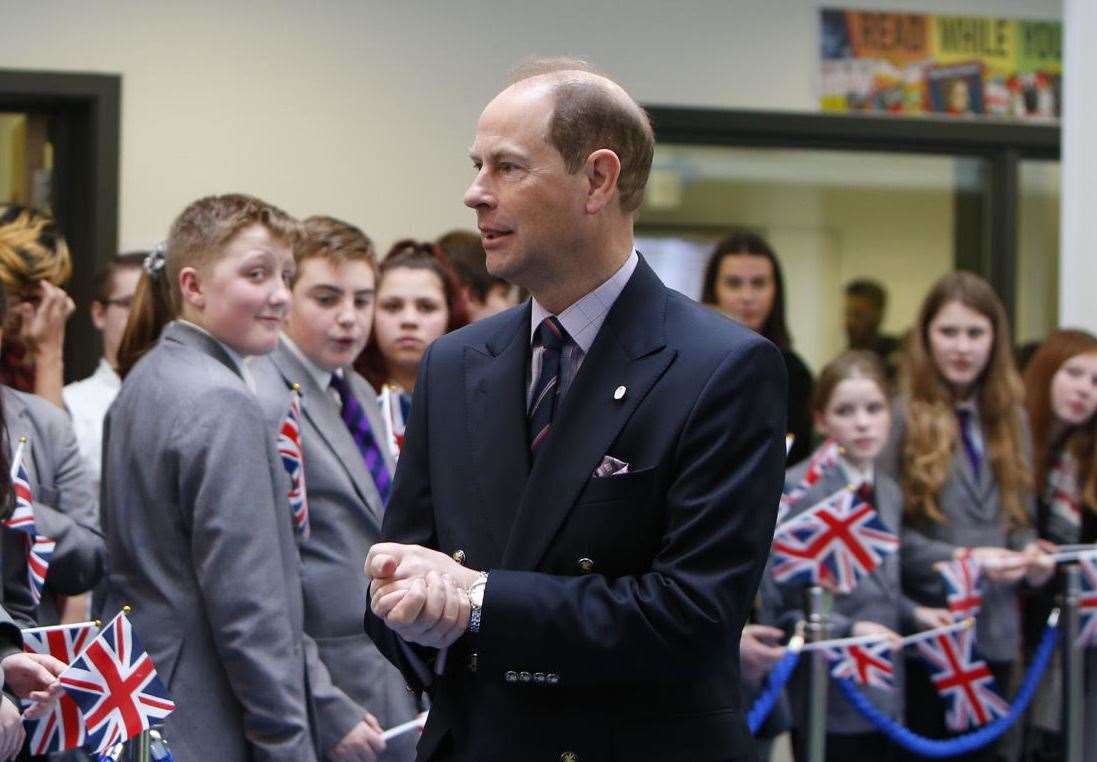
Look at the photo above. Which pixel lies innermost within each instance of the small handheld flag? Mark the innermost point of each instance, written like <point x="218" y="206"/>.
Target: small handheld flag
<point x="823" y="459"/>
<point x="39" y="548"/>
<point x="1087" y="601"/>
<point x="63" y="727"/>
<point x="864" y="663"/>
<point x="961" y="679"/>
<point x="963" y="578"/>
<point x="115" y="685"/>
<point x="837" y="541"/>
<point x="293" y="460"/>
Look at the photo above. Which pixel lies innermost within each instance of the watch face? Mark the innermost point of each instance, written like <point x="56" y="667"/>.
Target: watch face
<point x="476" y="595"/>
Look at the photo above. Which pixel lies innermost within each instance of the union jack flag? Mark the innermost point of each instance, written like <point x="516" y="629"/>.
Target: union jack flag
<point x="293" y="460"/>
<point x="962" y="679"/>
<point x="116" y="687"/>
<point x="864" y="663"/>
<point x="63" y="727"/>
<point x="837" y="541"/>
<point x="965" y="593"/>
<point x="826" y="457"/>
<point x="1087" y="601"/>
<point x="39" y="548"/>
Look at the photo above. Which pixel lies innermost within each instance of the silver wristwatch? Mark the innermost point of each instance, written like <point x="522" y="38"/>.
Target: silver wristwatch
<point x="476" y="598"/>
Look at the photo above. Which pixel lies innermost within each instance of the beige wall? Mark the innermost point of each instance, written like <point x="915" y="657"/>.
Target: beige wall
<point x="365" y="109"/>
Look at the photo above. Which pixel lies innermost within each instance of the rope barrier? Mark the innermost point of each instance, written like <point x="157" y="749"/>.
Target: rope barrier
<point x="938" y="748"/>
<point x="775" y="684"/>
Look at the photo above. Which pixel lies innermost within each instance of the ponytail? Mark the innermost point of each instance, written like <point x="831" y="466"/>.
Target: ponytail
<point x="152" y="309"/>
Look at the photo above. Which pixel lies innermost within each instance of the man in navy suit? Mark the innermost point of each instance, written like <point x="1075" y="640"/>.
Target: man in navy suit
<point x="586" y="496"/>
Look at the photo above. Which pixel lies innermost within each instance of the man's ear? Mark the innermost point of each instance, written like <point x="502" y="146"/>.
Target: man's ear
<point x="602" y="170"/>
<point x="190" y="286"/>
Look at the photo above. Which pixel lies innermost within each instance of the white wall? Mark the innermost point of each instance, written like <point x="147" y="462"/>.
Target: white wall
<point x="365" y="109"/>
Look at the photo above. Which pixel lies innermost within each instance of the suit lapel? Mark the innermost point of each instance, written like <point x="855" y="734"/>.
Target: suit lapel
<point x="629" y="351"/>
<point x="321" y="412"/>
<point x="495" y="385"/>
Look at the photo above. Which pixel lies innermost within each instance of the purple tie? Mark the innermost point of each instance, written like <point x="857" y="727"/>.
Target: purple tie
<point x="355" y="418"/>
<point x="964" y="416"/>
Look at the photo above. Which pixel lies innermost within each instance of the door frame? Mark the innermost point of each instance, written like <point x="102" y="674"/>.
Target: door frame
<point x="85" y="112"/>
<point x="985" y="237"/>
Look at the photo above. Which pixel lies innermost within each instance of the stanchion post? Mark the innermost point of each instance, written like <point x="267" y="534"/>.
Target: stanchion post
<point x="1073" y="655"/>
<point x="818" y="605"/>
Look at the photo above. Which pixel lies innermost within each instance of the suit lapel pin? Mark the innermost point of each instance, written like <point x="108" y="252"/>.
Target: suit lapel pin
<point x="619" y="393"/>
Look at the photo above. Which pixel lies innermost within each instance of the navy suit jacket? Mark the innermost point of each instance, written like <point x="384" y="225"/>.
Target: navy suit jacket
<point x="612" y="615"/>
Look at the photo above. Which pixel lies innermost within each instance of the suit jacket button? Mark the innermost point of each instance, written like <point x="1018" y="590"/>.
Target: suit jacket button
<point x="538" y="677"/>
<point x="459" y="556"/>
<point x="586" y="565"/>
<point x="525" y="677"/>
<point x="569" y="756"/>
<point x="511" y="676"/>
<point x="552" y="678"/>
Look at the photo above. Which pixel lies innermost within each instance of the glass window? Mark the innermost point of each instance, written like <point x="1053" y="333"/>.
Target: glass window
<point x="1037" y="312"/>
<point x="831" y="216"/>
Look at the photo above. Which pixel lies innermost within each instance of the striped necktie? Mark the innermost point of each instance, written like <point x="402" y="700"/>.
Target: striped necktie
<point x="354" y="416"/>
<point x="551" y="336"/>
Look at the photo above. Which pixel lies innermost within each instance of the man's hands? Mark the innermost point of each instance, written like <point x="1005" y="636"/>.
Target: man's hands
<point x="363" y="743"/>
<point x="419" y="593"/>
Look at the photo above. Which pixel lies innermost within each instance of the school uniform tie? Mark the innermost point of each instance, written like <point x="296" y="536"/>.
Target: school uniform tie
<point x="963" y="415"/>
<point x="355" y="418"/>
<point x="552" y="337"/>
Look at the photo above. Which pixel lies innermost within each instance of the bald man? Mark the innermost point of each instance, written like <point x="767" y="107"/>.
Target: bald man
<point x="589" y="481"/>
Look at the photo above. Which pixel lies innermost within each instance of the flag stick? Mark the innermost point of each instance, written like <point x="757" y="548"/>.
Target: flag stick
<point x="405" y="727"/>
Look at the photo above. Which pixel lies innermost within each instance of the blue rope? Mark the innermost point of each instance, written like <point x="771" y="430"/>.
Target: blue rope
<point x="937" y="748"/>
<point x="775" y="683"/>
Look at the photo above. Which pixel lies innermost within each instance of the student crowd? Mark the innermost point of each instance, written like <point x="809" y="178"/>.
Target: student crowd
<point x="160" y="479"/>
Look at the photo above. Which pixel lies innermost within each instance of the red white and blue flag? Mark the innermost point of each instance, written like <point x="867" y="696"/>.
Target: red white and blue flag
<point x="823" y="459"/>
<point x="115" y="685"/>
<point x="962" y="679"/>
<point x="63" y="727"/>
<point x="836" y="542"/>
<point x="965" y="590"/>
<point x="293" y="460"/>
<point x="39" y="549"/>
<point x="864" y="663"/>
<point x="1087" y="601"/>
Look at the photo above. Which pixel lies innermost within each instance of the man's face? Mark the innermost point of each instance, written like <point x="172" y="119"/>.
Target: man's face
<point x="111" y="317"/>
<point x="862" y="320"/>
<point x="530" y="211"/>
<point x="332" y="310"/>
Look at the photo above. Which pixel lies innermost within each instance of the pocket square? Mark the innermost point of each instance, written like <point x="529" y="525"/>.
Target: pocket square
<point x="610" y="466"/>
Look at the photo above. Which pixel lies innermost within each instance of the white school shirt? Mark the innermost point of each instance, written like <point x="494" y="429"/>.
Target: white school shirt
<point x="87" y="402"/>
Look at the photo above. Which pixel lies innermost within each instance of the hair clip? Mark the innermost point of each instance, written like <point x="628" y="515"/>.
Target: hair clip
<point x="154" y="262"/>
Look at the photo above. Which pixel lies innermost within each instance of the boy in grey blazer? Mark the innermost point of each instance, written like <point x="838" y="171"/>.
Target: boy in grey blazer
<point x="328" y="324"/>
<point x="198" y="548"/>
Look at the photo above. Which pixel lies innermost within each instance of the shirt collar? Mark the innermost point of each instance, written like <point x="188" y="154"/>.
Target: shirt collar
<point x="583" y="319"/>
<point x="319" y="375"/>
<point x="107" y="375"/>
<point x="238" y="359"/>
<point x="857" y="476"/>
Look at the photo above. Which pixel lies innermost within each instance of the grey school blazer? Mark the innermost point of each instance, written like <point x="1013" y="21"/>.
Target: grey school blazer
<point x="974" y="518"/>
<point x="65" y="509"/>
<point x="877" y="598"/>
<point x="345" y="520"/>
<point x="204" y="552"/>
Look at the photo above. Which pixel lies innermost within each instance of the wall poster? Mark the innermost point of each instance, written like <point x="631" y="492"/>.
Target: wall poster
<point x="963" y="66"/>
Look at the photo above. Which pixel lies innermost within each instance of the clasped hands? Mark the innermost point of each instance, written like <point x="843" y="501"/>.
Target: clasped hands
<point x="1034" y="563"/>
<point x="421" y="594"/>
